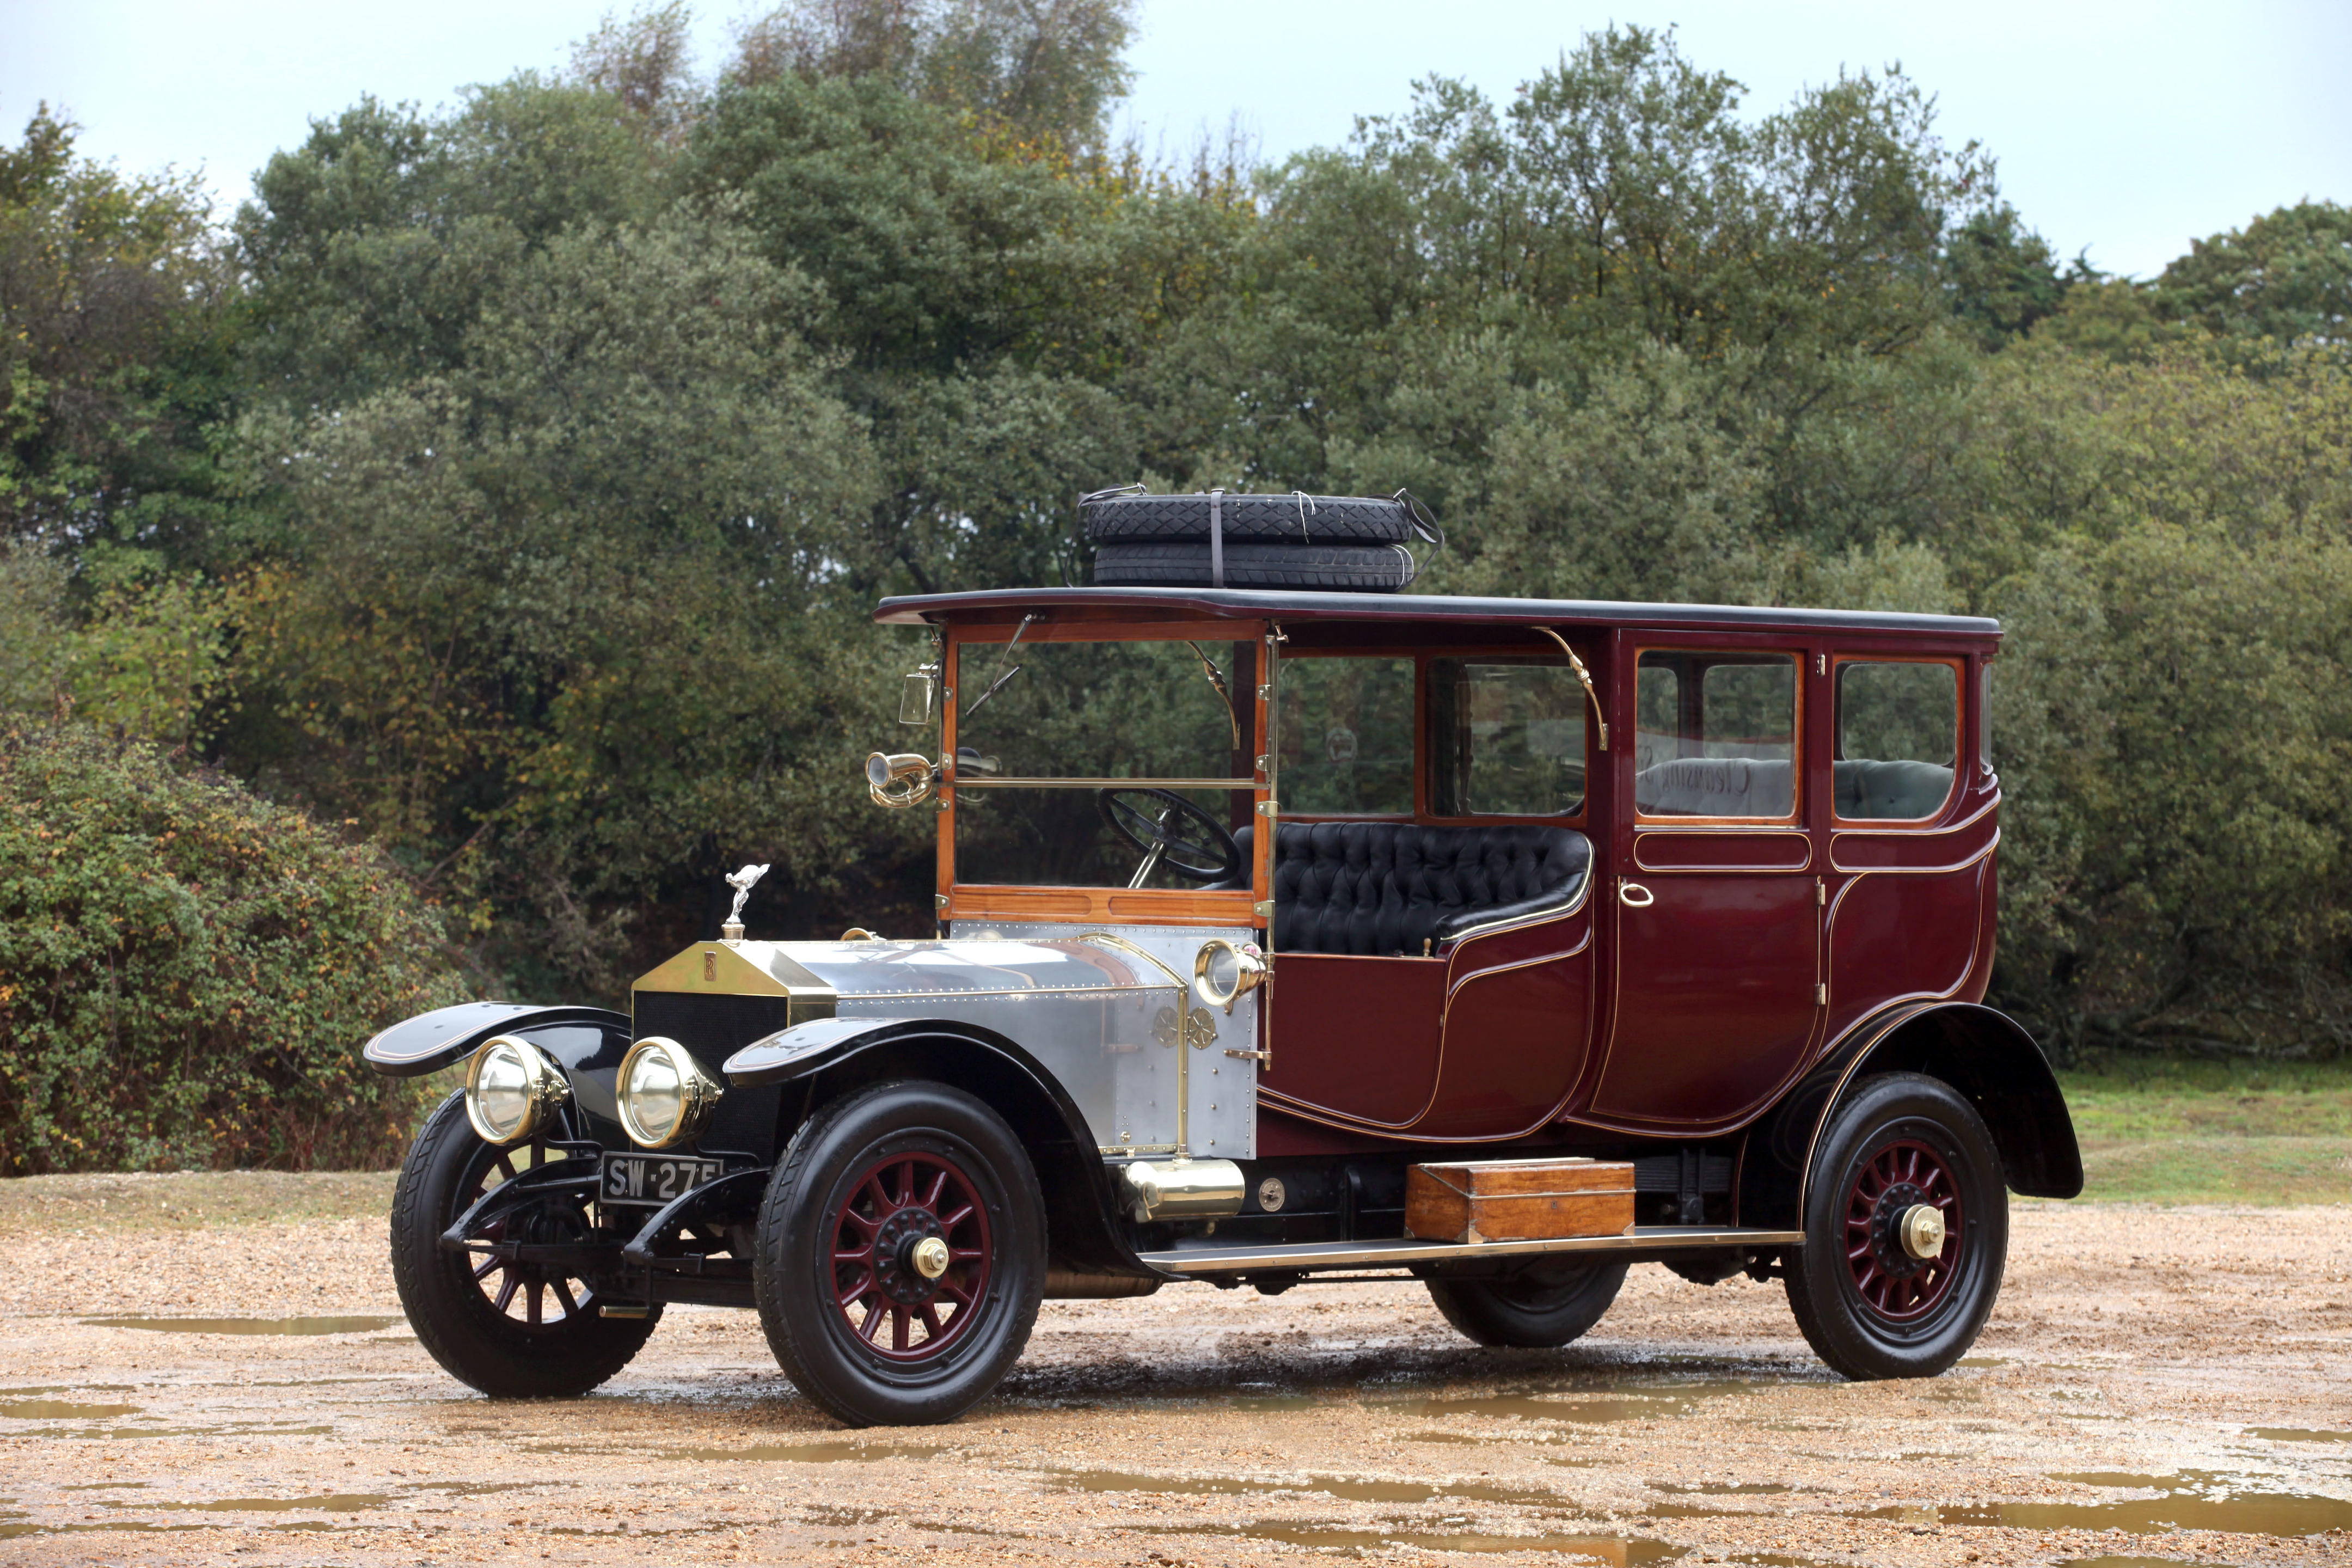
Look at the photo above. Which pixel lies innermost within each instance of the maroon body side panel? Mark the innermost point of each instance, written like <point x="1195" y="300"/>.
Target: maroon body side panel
<point x="1356" y="1038"/>
<point x="1715" y="997"/>
<point x="1897" y="938"/>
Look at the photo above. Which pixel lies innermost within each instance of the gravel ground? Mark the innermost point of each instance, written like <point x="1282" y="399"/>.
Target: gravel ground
<point x="2157" y="1385"/>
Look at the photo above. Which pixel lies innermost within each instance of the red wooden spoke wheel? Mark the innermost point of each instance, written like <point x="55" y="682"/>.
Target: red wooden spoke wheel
<point x="911" y="1256"/>
<point x="1887" y="1187"/>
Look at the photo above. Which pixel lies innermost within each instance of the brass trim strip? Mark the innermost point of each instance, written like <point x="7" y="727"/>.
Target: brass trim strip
<point x="1649" y="830"/>
<point x="978" y="992"/>
<point x="980" y="782"/>
<point x="1358" y="1254"/>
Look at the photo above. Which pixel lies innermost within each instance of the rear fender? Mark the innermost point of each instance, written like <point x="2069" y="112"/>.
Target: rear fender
<point x="1985" y="1055"/>
<point x="832" y="1057"/>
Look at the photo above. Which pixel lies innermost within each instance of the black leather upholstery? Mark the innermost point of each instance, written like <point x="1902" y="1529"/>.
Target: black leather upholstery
<point x="1379" y="888"/>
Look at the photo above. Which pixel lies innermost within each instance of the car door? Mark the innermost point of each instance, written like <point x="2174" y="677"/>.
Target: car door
<point x="1716" y="899"/>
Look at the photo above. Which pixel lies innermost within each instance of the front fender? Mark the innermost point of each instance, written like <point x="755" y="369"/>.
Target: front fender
<point x="1984" y="1054"/>
<point x="834" y="1055"/>
<point x="431" y="1041"/>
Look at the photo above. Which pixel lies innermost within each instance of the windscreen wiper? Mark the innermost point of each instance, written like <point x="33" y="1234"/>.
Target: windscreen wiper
<point x="998" y="684"/>
<point x="1217" y="678"/>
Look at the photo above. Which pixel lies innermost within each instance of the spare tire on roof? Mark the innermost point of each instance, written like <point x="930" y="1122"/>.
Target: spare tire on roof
<point x="1335" y="568"/>
<point x="1293" y="519"/>
<point x="1334" y="544"/>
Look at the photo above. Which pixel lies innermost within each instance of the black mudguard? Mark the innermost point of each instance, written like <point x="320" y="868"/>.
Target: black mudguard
<point x="1082" y="1210"/>
<point x="588" y="1043"/>
<point x="1983" y="1053"/>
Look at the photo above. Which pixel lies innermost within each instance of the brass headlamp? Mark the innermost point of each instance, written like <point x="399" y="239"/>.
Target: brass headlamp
<point x="511" y="1089"/>
<point x="666" y="1097"/>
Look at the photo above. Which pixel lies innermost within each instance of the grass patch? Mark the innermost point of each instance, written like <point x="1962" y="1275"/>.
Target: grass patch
<point x="190" y="1200"/>
<point x="2163" y="1130"/>
<point x="2131" y="1098"/>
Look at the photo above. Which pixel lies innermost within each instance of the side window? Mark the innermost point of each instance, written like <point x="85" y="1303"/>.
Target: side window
<point x="1898" y="729"/>
<point x="1507" y="737"/>
<point x="1346" y="736"/>
<point x="1715" y="734"/>
<point x="1984" y="715"/>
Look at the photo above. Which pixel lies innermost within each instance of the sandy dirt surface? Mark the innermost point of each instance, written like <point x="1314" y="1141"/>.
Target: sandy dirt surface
<point x="2157" y="1385"/>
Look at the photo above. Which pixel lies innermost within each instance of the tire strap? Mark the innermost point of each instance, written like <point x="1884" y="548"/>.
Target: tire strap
<point x="1216" y="539"/>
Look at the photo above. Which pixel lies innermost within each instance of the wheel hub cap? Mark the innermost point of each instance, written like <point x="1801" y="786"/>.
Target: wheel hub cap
<point x="1923" y="1231"/>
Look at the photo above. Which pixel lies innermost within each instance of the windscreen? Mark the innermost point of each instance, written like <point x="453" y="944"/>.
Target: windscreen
<point x="1104" y="764"/>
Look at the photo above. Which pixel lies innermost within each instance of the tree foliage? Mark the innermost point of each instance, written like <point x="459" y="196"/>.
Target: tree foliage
<point x="185" y="970"/>
<point x="512" y="481"/>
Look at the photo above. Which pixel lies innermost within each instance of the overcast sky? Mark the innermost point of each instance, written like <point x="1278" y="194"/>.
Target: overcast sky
<point x="2125" y="129"/>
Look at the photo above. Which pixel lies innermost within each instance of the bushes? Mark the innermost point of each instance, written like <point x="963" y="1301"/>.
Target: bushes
<point x="187" y="971"/>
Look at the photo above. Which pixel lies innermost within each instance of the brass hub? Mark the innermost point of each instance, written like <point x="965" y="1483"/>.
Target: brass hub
<point x="900" y="1248"/>
<point x="1923" y="1231"/>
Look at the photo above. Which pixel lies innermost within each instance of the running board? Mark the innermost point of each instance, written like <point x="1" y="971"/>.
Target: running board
<point x="1646" y="1239"/>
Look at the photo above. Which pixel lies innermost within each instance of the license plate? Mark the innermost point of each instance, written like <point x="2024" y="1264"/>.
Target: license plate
<point x="655" y="1179"/>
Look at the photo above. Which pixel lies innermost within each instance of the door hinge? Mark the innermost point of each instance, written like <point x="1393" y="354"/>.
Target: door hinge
<point x="941" y="900"/>
<point x="1269" y="807"/>
<point x="1264" y="1060"/>
<point x="1820" y="664"/>
<point x="1263" y="908"/>
<point x="1822" y="995"/>
<point x="1821" y="893"/>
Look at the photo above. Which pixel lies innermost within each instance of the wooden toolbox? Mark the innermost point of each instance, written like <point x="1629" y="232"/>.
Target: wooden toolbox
<point x="1519" y="1200"/>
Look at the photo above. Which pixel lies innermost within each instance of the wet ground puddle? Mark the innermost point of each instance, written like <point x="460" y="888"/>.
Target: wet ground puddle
<point x="2192" y="1499"/>
<point x="354" y="1325"/>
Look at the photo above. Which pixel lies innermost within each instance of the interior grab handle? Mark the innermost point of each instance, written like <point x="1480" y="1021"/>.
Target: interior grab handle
<point x="1634" y="895"/>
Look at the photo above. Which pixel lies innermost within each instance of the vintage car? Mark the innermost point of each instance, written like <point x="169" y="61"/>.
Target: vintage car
<point x="1496" y="944"/>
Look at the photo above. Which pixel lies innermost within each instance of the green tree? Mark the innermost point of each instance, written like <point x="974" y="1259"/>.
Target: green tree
<point x="185" y="970"/>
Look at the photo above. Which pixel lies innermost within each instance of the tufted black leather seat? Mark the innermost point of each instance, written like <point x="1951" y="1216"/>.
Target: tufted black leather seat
<point x="1382" y="888"/>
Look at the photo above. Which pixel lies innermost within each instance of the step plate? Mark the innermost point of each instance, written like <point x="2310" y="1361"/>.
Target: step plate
<point x="1396" y="1254"/>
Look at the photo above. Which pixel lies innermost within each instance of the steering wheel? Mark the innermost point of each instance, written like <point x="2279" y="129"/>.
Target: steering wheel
<point x="1172" y="832"/>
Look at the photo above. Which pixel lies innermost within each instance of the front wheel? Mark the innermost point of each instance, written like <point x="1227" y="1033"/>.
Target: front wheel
<point x="901" y="1255"/>
<point x="513" y="1330"/>
<point x="1539" y="1308"/>
<point x="1906" y="1230"/>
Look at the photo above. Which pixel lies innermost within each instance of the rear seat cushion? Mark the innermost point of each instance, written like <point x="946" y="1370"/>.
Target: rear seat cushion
<point x="1890" y="791"/>
<point x="1383" y="888"/>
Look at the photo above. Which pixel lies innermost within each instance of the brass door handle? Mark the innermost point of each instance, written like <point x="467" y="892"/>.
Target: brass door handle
<point x="1626" y="895"/>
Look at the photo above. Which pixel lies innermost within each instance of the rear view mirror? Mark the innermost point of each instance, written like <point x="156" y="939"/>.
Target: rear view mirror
<point x="919" y="695"/>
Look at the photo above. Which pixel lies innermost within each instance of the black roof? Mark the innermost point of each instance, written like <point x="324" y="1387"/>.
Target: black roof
<point x="1291" y="605"/>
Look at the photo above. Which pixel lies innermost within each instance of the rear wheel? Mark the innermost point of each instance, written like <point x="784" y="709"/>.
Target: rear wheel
<point x="1537" y="1309"/>
<point x="512" y="1330"/>
<point x="1906" y="1231"/>
<point x="901" y="1255"/>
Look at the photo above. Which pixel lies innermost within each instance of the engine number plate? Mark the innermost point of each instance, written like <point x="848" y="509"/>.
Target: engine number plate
<point x="655" y="1179"/>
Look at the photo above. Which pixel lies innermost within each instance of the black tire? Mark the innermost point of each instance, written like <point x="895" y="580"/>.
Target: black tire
<point x="820" y="1194"/>
<point x="1540" y="1310"/>
<point x="1867" y="1307"/>
<point x="1248" y="520"/>
<point x="468" y="1322"/>
<point x="1357" y="568"/>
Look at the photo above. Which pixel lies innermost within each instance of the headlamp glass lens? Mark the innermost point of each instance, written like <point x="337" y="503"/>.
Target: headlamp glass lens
<point x="502" y="1091"/>
<point x="657" y="1093"/>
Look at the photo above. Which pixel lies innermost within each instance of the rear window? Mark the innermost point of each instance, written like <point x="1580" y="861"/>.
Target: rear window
<point x="1898" y="732"/>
